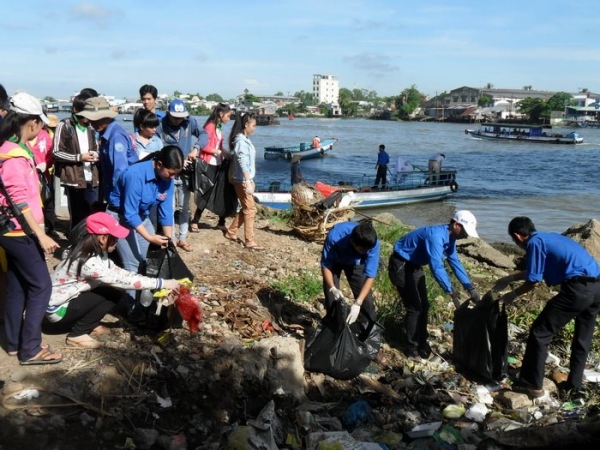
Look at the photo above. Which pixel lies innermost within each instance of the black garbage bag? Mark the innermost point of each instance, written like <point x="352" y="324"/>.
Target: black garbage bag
<point x="480" y="346"/>
<point x="221" y="199"/>
<point x="340" y="350"/>
<point x="163" y="262"/>
<point x="202" y="180"/>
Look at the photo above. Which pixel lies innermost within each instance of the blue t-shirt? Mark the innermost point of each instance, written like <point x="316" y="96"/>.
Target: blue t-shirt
<point x="383" y="159"/>
<point x="116" y="154"/>
<point x="337" y="250"/>
<point x="554" y="258"/>
<point x="431" y="245"/>
<point x="138" y="190"/>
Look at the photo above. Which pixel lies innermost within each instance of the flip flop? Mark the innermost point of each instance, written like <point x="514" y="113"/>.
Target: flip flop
<point x="16" y="352"/>
<point x="235" y="239"/>
<point x="194" y="228"/>
<point x="84" y="341"/>
<point x="255" y="247"/>
<point x="185" y="246"/>
<point x="45" y="356"/>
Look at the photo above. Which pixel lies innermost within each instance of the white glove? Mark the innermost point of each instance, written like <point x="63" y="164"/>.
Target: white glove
<point x="41" y="167"/>
<point x="171" y="284"/>
<point x="336" y="294"/>
<point x="353" y="315"/>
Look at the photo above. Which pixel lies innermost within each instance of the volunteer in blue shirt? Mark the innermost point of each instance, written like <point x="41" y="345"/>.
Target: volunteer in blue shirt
<point x="383" y="159"/>
<point x="429" y="245"/>
<point x="143" y="185"/>
<point x="351" y="248"/>
<point x="557" y="260"/>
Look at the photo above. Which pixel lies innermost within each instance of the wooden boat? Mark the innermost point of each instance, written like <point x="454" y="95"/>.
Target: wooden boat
<point x="305" y="149"/>
<point x="266" y="119"/>
<point x="523" y="133"/>
<point x="404" y="188"/>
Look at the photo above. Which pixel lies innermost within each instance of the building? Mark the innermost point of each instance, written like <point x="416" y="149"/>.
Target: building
<point x="326" y="89"/>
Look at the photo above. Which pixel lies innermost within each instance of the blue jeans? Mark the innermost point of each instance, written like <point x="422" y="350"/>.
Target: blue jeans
<point x="181" y="202"/>
<point x="134" y="248"/>
<point x="28" y="293"/>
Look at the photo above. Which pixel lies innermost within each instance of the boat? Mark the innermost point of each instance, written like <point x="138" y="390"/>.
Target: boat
<point x="404" y="188"/>
<point x="266" y="119"/>
<point x="543" y="134"/>
<point x="305" y="149"/>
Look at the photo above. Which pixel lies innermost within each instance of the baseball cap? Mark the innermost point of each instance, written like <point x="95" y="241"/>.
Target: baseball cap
<point x="178" y="109"/>
<point x="24" y="103"/>
<point x="96" y="108"/>
<point x="103" y="223"/>
<point x="468" y="221"/>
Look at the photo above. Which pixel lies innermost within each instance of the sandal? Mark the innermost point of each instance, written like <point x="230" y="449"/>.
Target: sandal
<point x="231" y="238"/>
<point x="194" y="228"/>
<point x="100" y="330"/>
<point x="254" y="246"/>
<point x="45" y="356"/>
<point x="16" y="352"/>
<point x="185" y="246"/>
<point x="83" y="341"/>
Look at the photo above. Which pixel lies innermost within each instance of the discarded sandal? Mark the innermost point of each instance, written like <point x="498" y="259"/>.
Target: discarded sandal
<point x="83" y="341"/>
<point x="45" y="356"/>
<point x="185" y="246"/>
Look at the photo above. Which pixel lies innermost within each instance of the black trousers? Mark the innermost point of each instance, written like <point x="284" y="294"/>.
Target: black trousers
<point x="410" y="283"/>
<point x="86" y="311"/>
<point x="381" y="175"/>
<point x="81" y="202"/>
<point x="356" y="278"/>
<point x="578" y="299"/>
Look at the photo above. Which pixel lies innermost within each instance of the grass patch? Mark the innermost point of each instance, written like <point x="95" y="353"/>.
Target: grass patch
<point x="301" y="288"/>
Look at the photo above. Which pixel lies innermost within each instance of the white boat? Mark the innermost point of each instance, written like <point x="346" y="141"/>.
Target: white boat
<point x="404" y="188"/>
<point x="543" y="134"/>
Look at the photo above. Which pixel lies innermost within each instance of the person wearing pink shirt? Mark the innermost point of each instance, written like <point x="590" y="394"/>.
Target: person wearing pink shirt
<point x="28" y="282"/>
<point x="41" y="146"/>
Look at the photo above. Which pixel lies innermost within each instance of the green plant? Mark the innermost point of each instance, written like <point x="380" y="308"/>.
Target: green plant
<point x="300" y="288"/>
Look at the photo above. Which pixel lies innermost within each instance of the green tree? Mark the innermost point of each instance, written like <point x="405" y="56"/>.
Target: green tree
<point x="278" y="93"/>
<point x="489" y="86"/>
<point x="408" y="100"/>
<point x="558" y="102"/>
<point x="214" y="98"/>
<point x="306" y="98"/>
<point x="177" y="94"/>
<point x="527" y="88"/>
<point x="49" y="99"/>
<point x="248" y="97"/>
<point x="533" y="107"/>
<point x="484" y="101"/>
<point x="347" y="104"/>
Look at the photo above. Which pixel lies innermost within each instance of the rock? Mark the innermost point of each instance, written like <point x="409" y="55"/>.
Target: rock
<point x="513" y="400"/>
<point x="145" y="438"/>
<point x="588" y="235"/>
<point x="483" y="252"/>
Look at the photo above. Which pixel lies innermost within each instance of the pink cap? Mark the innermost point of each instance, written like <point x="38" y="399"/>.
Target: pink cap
<point x="103" y="223"/>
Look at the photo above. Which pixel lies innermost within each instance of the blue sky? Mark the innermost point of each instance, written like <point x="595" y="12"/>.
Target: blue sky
<point x="56" y="48"/>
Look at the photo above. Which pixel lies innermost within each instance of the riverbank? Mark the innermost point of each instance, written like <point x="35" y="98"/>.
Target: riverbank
<point x="176" y="390"/>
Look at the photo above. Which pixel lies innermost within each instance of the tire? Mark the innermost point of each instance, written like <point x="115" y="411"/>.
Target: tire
<point x="466" y="131"/>
<point x="288" y="156"/>
<point x="453" y="186"/>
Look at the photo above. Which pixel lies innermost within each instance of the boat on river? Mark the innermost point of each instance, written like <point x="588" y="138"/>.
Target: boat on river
<point x="306" y="149"/>
<point x="541" y="134"/>
<point x="402" y="189"/>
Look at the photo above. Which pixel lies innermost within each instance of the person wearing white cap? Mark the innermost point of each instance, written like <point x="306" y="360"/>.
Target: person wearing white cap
<point x="429" y="245"/>
<point x="24" y="241"/>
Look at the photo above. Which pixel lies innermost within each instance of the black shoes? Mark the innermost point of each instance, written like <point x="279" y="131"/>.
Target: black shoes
<point x="425" y="351"/>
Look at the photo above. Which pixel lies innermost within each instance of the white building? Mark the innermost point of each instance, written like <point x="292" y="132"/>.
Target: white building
<point x="326" y="89"/>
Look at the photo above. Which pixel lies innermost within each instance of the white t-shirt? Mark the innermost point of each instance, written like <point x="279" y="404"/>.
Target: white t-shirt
<point x="84" y="147"/>
<point x="437" y="157"/>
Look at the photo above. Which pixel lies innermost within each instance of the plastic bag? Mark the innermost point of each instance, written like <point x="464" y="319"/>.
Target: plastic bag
<point x="340" y="350"/>
<point x="189" y="308"/>
<point x="480" y="344"/>
<point x="221" y="199"/>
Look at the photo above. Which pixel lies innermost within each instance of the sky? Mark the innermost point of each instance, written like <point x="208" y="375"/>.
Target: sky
<point x="224" y="47"/>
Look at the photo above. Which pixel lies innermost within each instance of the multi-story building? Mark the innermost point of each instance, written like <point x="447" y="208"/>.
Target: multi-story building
<point x="326" y="89"/>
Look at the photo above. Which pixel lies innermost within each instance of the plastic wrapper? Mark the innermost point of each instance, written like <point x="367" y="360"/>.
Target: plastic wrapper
<point x="189" y="308"/>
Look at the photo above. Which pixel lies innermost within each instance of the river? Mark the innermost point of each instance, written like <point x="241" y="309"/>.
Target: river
<point x="557" y="186"/>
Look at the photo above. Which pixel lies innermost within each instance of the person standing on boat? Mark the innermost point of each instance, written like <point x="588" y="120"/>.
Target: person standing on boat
<point x="296" y="174"/>
<point x="402" y="167"/>
<point x="429" y="245"/>
<point x="560" y="262"/>
<point x="316" y="142"/>
<point x="435" y="166"/>
<point x="383" y="159"/>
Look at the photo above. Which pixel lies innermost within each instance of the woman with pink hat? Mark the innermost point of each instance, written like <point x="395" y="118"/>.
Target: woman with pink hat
<point x="86" y="285"/>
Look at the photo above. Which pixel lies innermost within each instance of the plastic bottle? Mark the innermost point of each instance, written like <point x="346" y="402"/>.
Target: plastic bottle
<point x="359" y="413"/>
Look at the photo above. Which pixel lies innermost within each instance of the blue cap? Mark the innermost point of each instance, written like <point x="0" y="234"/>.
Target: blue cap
<point x="178" y="109"/>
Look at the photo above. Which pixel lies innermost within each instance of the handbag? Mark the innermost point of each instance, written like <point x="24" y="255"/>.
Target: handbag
<point x="340" y="350"/>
